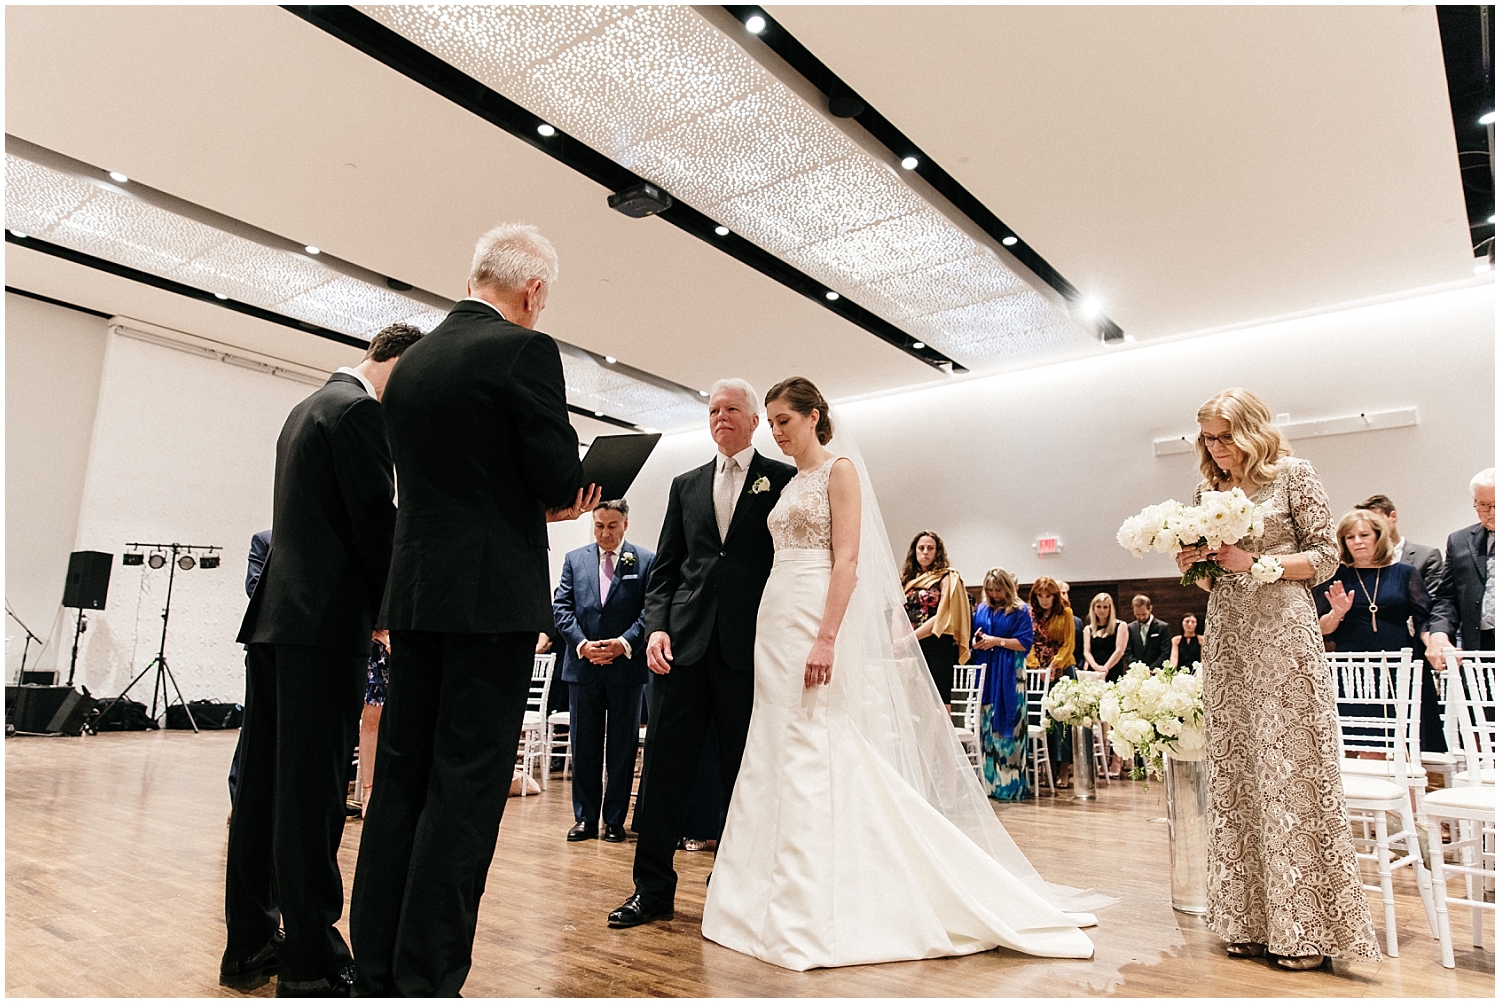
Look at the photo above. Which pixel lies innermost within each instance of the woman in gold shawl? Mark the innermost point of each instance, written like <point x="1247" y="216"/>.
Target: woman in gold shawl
<point x="938" y="607"/>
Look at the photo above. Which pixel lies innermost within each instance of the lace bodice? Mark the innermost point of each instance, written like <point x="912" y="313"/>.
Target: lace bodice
<point x="802" y="519"/>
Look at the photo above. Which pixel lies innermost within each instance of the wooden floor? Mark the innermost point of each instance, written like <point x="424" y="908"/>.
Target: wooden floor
<point x="114" y="868"/>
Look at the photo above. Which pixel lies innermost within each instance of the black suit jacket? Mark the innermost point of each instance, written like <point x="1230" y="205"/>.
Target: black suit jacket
<point x="1428" y="560"/>
<point x="331" y="524"/>
<point x="1157" y="647"/>
<point x="478" y="422"/>
<point x="1459" y="595"/>
<point x="699" y="584"/>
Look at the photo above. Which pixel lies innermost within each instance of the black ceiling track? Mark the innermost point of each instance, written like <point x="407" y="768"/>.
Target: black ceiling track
<point x="797" y="55"/>
<point x="1468" y="34"/>
<point x="411" y="60"/>
<point x="57" y="302"/>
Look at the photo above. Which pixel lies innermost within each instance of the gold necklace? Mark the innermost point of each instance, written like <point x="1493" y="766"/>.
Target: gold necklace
<point x="1374" y="627"/>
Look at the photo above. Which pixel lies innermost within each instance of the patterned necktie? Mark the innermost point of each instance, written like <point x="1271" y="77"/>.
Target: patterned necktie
<point x="606" y="576"/>
<point x="724" y="495"/>
<point x="1487" y="607"/>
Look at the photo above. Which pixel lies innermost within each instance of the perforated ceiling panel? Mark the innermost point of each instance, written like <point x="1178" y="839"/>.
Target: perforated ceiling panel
<point x="667" y="95"/>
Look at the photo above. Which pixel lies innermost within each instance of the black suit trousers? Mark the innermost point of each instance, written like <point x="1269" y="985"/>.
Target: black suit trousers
<point x="690" y="697"/>
<point x="448" y="736"/>
<point x="604" y="727"/>
<point x="302" y="707"/>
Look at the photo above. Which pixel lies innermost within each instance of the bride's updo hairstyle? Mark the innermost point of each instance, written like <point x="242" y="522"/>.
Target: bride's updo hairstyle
<point x="1254" y="435"/>
<point x="804" y="398"/>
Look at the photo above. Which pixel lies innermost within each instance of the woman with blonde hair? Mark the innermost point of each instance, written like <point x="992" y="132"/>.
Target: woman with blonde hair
<point x="937" y="604"/>
<point x="1104" y="638"/>
<point x="1282" y="875"/>
<point x="1002" y="637"/>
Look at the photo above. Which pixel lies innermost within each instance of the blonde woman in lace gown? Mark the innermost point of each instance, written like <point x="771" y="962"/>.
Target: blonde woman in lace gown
<point x="1282" y="875"/>
<point x="831" y="854"/>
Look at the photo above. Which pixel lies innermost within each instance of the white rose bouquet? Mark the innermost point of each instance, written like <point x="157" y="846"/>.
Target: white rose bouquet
<point x="1075" y="701"/>
<point x="1219" y="517"/>
<point x="1152" y="713"/>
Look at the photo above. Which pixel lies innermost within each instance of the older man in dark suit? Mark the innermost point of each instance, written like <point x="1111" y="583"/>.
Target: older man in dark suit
<point x="1463" y="602"/>
<point x="599" y="607"/>
<point x="478" y="423"/>
<point x="308" y="635"/>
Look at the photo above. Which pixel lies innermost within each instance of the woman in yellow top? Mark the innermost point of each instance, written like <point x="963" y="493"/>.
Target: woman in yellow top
<point x="1052" y="649"/>
<point x="938" y="607"/>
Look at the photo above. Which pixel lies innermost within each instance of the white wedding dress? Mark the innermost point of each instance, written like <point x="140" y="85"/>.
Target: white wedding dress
<point x="854" y="835"/>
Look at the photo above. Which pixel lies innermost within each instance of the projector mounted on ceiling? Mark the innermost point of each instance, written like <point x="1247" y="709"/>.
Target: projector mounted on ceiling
<point x="641" y="200"/>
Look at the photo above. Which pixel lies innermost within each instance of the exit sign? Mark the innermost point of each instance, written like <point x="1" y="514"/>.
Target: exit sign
<point x="1047" y="545"/>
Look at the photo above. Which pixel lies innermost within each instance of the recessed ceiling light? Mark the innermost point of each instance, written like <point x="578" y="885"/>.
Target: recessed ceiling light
<point x="830" y="295"/>
<point x="311" y="249"/>
<point x="1010" y="241"/>
<point x="1089" y="308"/>
<point x="598" y="414"/>
<point x="18" y="234"/>
<point x="702" y="393"/>
<point x="651" y="431"/>
<point x="1481" y="268"/>
<point x="610" y="359"/>
<point x="910" y="163"/>
<point x="546" y="130"/>
<point x="722" y="231"/>
<point x="1492" y="218"/>
<point x="117" y="177"/>
<point x="919" y="345"/>
<point x="1487" y="118"/>
<point x="1130" y="337"/>
<point x="755" y="24"/>
<point x="221" y="296"/>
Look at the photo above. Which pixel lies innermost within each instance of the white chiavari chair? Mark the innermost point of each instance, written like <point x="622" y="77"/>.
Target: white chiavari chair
<point x="1468" y="807"/>
<point x="532" y="751"/>
<point x="968" y="690"/>
<point x="1377" y="697"/>
<point x="560" y="741"/>
<point x="1038" y="756"/>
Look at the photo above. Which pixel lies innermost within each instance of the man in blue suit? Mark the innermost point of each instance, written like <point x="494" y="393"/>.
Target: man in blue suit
<point x="599" y="607"/>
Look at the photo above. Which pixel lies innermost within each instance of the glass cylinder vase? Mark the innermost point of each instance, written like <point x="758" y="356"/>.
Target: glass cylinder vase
<point x="1186" y="783"/>
<point x="1083" y="763"/>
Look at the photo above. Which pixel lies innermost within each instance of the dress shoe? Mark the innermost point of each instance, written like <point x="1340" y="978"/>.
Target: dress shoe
<point x="582" y="831"/>
<point x="1246" y="950"/>
<point x="1305" y="963"/>
<point x="614" y="833"/>
<point x="337" y="984"/>
<point x="253" y="971"/>
<point x="635" y="912"/>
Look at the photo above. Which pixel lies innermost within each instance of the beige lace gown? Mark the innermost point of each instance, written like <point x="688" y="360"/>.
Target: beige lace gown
<point x="1281" y="865"/>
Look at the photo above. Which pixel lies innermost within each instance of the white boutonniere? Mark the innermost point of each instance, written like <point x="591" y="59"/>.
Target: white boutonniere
<point x="762" y="484"/>
<point x="627" y="560"/>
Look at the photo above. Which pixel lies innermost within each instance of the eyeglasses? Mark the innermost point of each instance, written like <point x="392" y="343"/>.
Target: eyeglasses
<point x="1480" y="506"/>
<point x="1227" y="439"/>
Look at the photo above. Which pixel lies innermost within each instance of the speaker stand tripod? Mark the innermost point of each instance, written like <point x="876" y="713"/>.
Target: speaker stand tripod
<point x="26" y="648"/>
<point x="159" y="663"/>
<point x="81" y="626"/>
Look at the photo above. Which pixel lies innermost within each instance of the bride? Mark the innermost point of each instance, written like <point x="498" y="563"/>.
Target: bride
<point x="858" y="832"/>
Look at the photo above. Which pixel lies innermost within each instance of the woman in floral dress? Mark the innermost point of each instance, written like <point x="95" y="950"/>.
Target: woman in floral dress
<point x="1002" y="638"/>
<point x="1282" y="875"/>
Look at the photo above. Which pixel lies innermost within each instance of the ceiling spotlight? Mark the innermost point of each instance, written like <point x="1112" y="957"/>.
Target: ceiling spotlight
<point x="598" y="414"/>
<point x="830" y="295"/>
<point x="117" y="177"/>
<point x="18" y="234"/>
<point x="208" y="561"/>
<point x="310" y="249"/>
<point x="157" y="560"/>
<point x="1488" y="118"/>
<point x="186" y="562"/>
<point x="546" y="131"/>
<point x="221" y="296"/>
<point x="1089" y="308"/>
<point x="755" y="24"/>
<point x="919" y="345"/>
<point x="722" y="231"/>
<point x="610" y="359"/>
<point x="1492" y="219"/>
<point x="1010" y="241"/>
<point x="910" y="163"/>
<point x="702" y="393"/>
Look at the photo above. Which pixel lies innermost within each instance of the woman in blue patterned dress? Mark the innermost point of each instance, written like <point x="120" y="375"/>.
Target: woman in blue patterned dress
<point x="1002" y="637"/>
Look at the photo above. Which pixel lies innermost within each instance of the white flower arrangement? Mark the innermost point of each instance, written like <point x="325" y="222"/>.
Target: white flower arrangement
<point x="1075" y="701"/>
<point x="1267" y="569"/>
<point x="1220" y="517"/>
<point x="1155" y="713"/>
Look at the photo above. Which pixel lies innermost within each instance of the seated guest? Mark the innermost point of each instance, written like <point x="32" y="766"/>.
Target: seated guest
<point x="1104" y="640"/>
<point x="1428" y="560"/>
<point x="1187" y="647"/>
<point x="599" y="607"/>
<point x="1369" y="601"/>
<point x="1148" y="639"/>
<point x="1052" y="649"/>
<point x="1463" y="602"/>
<point x="1002" y="638"/>
<point x="938" y="606"/>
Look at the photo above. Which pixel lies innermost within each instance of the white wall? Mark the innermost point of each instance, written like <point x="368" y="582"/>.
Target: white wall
<point x="184" y="451"/>
<point x="53" y="360"/>
<point x="992" y="463"/>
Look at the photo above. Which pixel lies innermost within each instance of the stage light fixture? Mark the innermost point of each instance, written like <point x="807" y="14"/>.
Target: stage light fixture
<point x="755" y="24"/>
<point x="722" y="231"/>
<point x="910" y="163"/>
<point x="186" y="562"/>
<point x="208" y="561"/>
<point x="157" y="561"/>
<point x="545" y="131"/>
<point x="131" y="560"/>
<point x="830" y="295"/>
<point x="118" y="178"/>
<point x="1010" y="241"/>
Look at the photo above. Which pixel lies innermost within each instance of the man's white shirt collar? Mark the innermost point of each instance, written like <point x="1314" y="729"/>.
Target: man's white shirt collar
<point x="742" y="458"/>
<point x="369" y="387"/>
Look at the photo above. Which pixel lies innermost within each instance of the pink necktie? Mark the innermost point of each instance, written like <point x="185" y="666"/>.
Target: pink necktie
<point x="607" y="576"/>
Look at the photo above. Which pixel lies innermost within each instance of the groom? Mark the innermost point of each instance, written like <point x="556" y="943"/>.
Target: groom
<point x="712" y="562"/>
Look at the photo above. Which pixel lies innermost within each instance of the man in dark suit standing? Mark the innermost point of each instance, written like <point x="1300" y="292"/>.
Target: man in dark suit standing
<point x="308" y="635"/>
<point x="1428" y="560"/>
<point x="599" y="607"/>
<point x="478" y="424"/>
<point x="712" y="562"/>
<point x="1148" y="638"/>
<point x="260" y="546"/>
<point x="1463" y="602"/>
